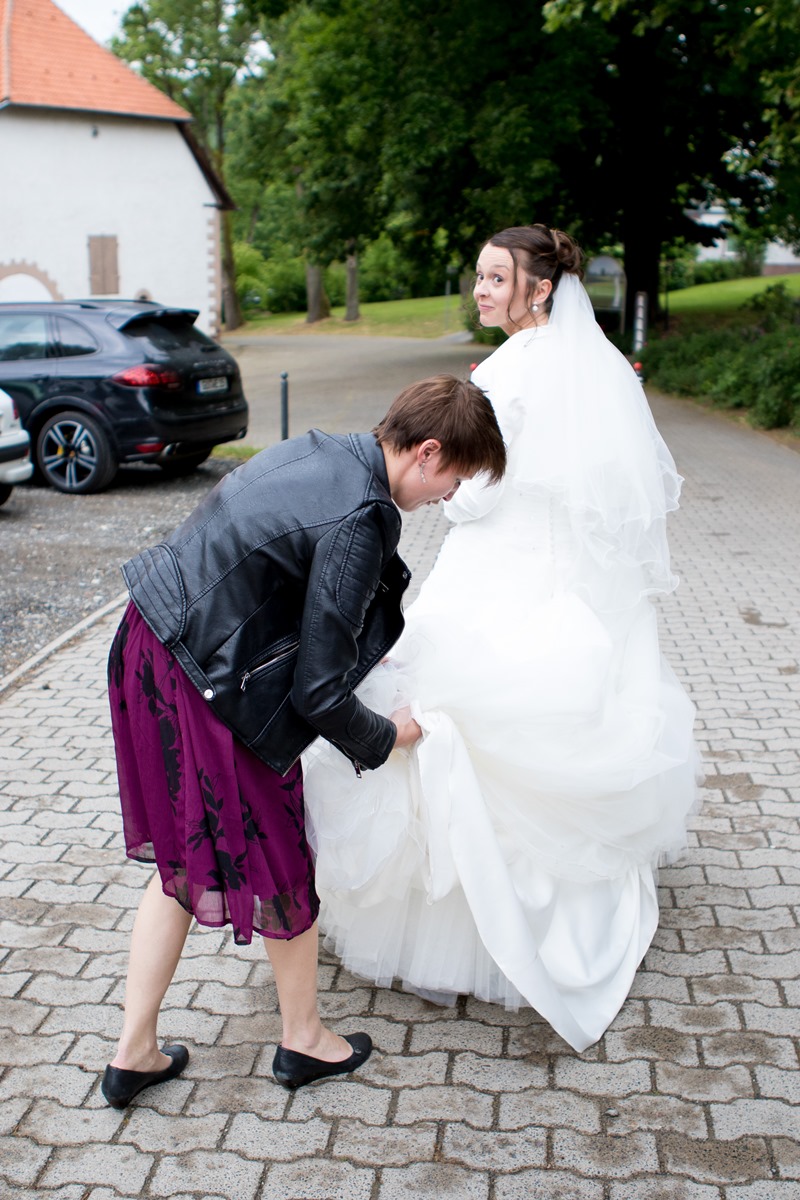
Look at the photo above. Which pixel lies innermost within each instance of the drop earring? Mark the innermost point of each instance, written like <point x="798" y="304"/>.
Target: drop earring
<point x="534" y="324"/>
<point x="422" y="473"/>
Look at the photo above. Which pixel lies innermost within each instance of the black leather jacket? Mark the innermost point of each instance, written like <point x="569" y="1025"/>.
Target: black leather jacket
<point x="281" y="591"/>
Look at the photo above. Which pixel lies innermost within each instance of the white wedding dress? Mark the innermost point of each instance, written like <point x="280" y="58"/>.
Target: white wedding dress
<point x="512" y="854"/>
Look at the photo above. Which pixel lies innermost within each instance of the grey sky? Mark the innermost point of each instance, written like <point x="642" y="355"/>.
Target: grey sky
<point x="100" y="18"/>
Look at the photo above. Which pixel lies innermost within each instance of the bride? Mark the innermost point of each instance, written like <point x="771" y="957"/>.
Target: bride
<point x="513" y="853"/>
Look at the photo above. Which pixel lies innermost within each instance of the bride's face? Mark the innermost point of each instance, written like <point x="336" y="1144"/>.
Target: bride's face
<point x="500" y="300"/>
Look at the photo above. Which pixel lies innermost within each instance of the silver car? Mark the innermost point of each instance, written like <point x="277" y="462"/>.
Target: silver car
<point x="15" y="448"/>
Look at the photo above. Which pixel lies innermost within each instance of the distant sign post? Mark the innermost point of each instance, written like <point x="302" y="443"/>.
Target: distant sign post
<point x="640" y="322"/>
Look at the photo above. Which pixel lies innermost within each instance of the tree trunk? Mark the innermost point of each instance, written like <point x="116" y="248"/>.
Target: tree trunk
<point x="255" y="213"/>
<point x="230" y="300"/>
<point x="642" y="256"/>
<point x="351" y="311"/>
<point x="643" y="175"/>
<point x="319" y="306"/>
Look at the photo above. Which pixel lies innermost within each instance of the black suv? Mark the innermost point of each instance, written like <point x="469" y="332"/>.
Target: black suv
<point x="98" y="383"/>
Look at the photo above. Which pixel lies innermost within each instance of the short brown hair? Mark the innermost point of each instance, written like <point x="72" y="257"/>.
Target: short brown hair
<point x="457" y="414"/>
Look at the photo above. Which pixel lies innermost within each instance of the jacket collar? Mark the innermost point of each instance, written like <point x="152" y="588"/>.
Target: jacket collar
<point x="365" y="447"/>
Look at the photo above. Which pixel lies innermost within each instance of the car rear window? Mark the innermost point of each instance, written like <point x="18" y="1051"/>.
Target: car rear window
<point x="73" y="339"/>
<point x="168" y="334"/>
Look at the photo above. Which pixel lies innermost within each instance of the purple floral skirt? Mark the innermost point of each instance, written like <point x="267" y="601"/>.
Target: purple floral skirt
<point x="226" y="832"/>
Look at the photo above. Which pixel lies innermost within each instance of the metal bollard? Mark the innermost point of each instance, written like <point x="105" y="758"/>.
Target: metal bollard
<point x="284" y="405"/>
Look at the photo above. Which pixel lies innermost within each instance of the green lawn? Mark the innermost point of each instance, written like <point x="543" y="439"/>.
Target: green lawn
<point x="720" y="303"/>
<point x="428" y="317"/>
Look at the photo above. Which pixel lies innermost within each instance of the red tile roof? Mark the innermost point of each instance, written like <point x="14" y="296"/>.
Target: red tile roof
<point x="47" y="61"/>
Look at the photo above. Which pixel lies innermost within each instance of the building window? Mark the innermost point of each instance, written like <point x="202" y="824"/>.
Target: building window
<point x="103" y="270"/>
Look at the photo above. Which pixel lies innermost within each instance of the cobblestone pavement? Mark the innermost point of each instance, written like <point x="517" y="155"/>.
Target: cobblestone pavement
<point x="693" y="1093"/>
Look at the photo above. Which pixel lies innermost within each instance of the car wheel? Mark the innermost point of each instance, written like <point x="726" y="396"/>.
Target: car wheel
<point x="74" y="454"/>
<point x="5" y="491"/>
<point x="185" y="464"/>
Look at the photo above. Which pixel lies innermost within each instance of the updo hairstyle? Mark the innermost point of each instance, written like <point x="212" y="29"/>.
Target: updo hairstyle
<point x="541" y="253"/>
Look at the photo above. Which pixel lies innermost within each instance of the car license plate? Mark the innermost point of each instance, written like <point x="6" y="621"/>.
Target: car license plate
<point x="218" y="384"/>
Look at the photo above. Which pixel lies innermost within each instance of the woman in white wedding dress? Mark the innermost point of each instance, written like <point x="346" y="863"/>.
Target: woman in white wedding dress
<point x="513" y="853"/>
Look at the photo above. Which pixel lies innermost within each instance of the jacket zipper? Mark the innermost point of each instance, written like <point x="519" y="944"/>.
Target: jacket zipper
<point x="248" y="675"/>
<point x="268" y="662"/>
<point x="354" y="761"/>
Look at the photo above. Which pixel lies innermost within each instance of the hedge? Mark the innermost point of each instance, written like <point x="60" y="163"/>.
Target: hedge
<point x="754" y="365"/>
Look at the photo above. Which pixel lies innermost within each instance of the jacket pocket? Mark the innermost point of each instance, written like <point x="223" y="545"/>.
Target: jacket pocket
<point x="276" y="657"/>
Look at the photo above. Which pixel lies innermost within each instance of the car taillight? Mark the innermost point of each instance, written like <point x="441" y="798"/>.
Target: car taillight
<point x="148" y="376"/>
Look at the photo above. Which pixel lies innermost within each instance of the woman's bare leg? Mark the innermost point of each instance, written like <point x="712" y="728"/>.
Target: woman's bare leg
<point x="294" y="963"/>
<point x="158" y="937"/>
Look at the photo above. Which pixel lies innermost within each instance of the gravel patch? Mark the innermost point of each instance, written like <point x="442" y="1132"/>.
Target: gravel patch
<point x="60" y="555"/>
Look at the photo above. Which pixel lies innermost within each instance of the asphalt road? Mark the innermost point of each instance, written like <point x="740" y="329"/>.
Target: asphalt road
<point x="338" y="383"/>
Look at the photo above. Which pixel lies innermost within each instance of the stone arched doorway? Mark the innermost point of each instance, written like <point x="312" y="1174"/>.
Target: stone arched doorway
<point x="21" y="281"/>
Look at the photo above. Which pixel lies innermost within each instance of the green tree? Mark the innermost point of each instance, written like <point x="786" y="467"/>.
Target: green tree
<point x="773" y="44"/>
<point x="681" y="96"/>
<point x="404" y="116"/>
<point x="195" y="51"/>
<point x="329" y="81"/>
<point x="728" y="103"/>
<point x="609" y="119"/>
<point x="258" y="174"/>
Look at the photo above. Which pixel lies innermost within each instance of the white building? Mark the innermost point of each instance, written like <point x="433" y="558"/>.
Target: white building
<point x="779" y="259"/>
<point x="103" y="191"/>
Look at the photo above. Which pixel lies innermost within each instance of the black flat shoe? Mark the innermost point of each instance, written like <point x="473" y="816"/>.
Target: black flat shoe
<point x="120" y="1086"/>
<point x="293" y="1069"/>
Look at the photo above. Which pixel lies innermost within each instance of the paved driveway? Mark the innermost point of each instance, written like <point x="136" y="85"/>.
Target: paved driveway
<point x="692" y="1094"/>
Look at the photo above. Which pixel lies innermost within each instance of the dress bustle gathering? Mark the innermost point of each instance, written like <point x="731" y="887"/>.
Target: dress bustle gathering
<point x="512" y="855"/>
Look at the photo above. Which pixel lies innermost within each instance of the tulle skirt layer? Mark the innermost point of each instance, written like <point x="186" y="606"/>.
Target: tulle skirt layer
<point x="513" y="854"/>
